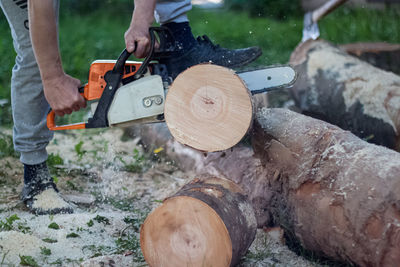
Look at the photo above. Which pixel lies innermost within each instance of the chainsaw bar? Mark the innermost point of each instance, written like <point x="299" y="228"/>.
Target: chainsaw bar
<point x="268" y="79"/>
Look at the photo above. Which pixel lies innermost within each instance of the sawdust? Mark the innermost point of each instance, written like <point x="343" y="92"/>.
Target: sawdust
<point x="270" y="250"/>
<point x="72" y="250"/>
<point x="49" y="199"/>
<point x="14" y="243"/>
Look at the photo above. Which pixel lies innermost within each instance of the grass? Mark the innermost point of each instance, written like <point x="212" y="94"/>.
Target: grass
<point x="278" y="38"/>
<point x="6" y="146"/>
<point x="7" y="224"/>
<point x="28" y="261"/>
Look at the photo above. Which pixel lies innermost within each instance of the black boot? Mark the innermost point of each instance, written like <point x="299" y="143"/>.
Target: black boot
<point x="192" y="51"/>
<point x="40" y="193"/>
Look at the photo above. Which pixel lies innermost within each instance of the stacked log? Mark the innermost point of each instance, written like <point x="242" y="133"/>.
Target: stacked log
<point x="347" y="92"/>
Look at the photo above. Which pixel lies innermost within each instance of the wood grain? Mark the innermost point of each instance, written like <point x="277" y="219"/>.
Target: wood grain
<point x="209" y="108"/>
<point x="185" y="231"/>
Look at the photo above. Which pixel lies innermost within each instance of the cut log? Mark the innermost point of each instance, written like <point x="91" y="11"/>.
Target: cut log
<point x="208" y="222"/>
<point x="381" y="55"/>
<point x="334" y="193"/>
<point x="345" y="91"/>
<point x="209" y="108"/>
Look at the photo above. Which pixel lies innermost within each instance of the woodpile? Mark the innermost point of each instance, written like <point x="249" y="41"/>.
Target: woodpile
<point x="347" y="92"/>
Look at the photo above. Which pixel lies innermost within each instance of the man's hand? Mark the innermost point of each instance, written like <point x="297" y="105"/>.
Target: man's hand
<point x="137" y="39"/>
<point x="62" y="94"/>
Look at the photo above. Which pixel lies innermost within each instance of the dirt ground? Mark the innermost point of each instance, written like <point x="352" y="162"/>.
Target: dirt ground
<point x="113" y="183"/>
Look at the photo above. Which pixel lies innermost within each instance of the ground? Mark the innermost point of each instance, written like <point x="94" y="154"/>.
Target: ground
<point x="114" y="183"/>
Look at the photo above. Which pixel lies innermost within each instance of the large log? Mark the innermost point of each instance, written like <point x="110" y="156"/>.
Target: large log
<point x="345" y="91"/>
<point x="208" y="222"/>
<point x="338" y="194"/>
<point x="334" y="193"/>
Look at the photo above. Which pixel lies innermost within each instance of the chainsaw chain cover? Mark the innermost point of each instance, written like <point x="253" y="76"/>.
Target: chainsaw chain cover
<point x="136" y="100"/>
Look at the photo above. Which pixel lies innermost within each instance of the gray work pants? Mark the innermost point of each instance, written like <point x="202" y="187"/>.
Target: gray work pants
<point x="172" y="10"/>
<point x="30" y="108"/>
<point x="28" y="103"/>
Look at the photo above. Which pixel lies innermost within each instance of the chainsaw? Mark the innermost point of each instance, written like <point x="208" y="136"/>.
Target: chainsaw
<point x="122" y="92"/>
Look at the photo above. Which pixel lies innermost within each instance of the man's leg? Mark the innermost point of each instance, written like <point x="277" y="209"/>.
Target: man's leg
<point x="191" y="51"/>
<point x="30" y="108"/>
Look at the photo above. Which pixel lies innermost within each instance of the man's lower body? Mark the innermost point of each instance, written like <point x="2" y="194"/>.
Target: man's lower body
<point x="191" y="51"/>
<point x="30" y="108"/>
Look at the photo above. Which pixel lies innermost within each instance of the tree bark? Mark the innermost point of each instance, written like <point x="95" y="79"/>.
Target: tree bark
<point x="208" y="222"/>
<point x="208" y="107"/>
<point x="345" y="91"/>
<point x="334" y="193"/>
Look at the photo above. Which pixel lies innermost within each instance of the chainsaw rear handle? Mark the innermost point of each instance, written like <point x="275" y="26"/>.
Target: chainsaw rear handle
<point x="51" y="116"/>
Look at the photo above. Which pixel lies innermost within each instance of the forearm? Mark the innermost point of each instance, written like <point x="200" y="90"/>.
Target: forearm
<point x="137" y="35"/>
<point x="43" y="30"/>
<point x="143" y="13"/>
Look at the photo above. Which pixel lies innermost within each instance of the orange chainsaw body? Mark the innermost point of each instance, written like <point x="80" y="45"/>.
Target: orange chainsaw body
<point x="96" y="83"/>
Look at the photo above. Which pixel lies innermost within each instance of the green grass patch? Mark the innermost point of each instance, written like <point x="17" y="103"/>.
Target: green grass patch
<point x="54" y="226"/>
<point x="72" y="235"/>
<point x="49" y="240"/>
<point x="7" y="224"/>
<point x="102" y="219"/>
<point x="90" y="223"/>
<point x="137" y="164"/>
<point x="45" y="251"/>
<point x="28" y="261"/>
<point x="278" y="38"/>
<point x="53" y="161"/>
<point x="6" y="146"/>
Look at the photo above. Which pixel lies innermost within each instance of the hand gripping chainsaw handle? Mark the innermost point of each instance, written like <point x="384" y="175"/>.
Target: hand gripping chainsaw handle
<point x="113" y="79"/>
